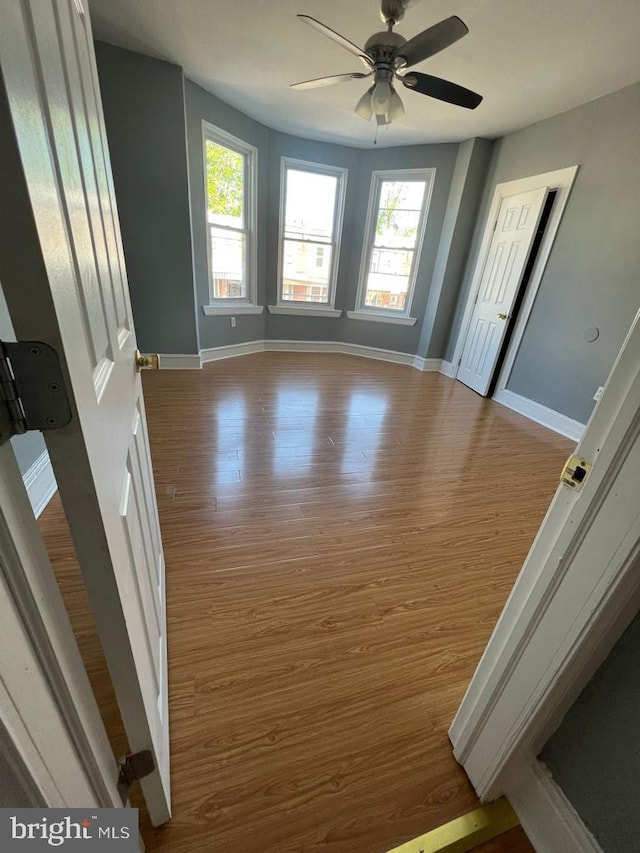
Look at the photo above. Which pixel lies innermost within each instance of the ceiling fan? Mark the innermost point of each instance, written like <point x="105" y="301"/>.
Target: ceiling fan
<point x="387" y="56"/>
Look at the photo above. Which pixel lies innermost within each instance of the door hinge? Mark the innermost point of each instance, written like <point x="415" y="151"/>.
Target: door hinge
<point x="575" y="472"/>
<point x="133" y="767"/>
<point x="32" y="390"/>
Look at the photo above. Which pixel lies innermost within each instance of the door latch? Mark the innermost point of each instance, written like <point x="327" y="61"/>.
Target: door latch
<point x="32" y="390"/>
<point x="575" y="472"/>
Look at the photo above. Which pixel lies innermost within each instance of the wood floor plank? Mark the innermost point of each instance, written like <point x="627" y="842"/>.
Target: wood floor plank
<point x="340" y="537"/>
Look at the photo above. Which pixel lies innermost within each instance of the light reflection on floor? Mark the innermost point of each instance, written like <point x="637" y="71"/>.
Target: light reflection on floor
<point x="294" y="423"/>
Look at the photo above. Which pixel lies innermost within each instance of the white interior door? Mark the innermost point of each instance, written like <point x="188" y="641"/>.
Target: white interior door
<point x="52" y="740"/>
<point x="63" y="273"/>
<point x="578" y="590"/>
<point x="516" y="227"/>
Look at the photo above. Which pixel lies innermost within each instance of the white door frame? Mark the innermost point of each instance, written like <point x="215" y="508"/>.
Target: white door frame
<point x="578" y="590"/>
<point x="50" y="719"/>
<point x="561" y="181"/>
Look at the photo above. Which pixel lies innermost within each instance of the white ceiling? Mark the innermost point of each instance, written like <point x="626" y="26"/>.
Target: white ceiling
<point x="529" y="58"/>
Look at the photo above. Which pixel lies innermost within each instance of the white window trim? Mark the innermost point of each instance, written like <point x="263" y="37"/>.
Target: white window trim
<point x="391" y="315"/>
<point x="298" y="309"/>
<point x="372" y="317"/>
<point x="321" y="309"/>
<point x="248" y="305"/>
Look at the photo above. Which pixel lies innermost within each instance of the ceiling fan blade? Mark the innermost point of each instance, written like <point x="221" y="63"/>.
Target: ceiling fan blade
<point x="443" y="90"/>
<point x="432" y="41"/>
<point x="337" y="38"/>
<point x="329" y="81"/>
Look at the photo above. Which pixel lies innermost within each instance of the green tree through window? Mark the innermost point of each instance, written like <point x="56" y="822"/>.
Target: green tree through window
<point x="225" y="181"/>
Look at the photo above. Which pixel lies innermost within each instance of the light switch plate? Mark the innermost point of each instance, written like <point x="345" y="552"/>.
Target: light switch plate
<point x="598" y="393"/>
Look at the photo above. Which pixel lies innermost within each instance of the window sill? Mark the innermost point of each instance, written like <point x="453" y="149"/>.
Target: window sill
<point x="225" y="310"/>
<point x="306" y="311"/>
<point x="381" y="318"/>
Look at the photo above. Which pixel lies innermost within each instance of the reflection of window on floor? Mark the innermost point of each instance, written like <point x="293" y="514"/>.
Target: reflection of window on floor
<point x="296" y="410"/>
<point x="366" y="414"/>
<point x="231" y="422"/>
<point x="312" y="201"/>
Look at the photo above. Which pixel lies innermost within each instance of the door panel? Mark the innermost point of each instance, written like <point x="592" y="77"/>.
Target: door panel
<point x="75" y="276"/>
<point x="516" y="226"/>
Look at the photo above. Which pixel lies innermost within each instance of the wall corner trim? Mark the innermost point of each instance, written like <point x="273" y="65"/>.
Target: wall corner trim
<point x="540" y="414"/>
<point x="546" y="815"/>
<point x="40" y="483"/>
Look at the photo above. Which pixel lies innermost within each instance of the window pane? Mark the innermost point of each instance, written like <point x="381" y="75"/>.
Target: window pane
<point x="403" y="195"/>
<point x="225" y="185"/>
<point x="305" y="271"/>
<point x="400" y="205"/>
<point x="310" y="205"/>
<point x="388" y="279"/>
<point x="397" y="227"/>
<point x="227" y="263"/>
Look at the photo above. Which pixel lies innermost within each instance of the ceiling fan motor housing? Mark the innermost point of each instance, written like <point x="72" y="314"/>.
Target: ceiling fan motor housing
<point x="382" y="49"/>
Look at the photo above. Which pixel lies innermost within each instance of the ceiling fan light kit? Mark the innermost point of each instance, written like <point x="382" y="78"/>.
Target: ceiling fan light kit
<point x="387" y="56"/>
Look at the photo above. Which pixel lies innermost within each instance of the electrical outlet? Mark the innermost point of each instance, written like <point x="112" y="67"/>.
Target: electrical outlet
<point x="598" y="393"/>
<point x="233" y="322"/>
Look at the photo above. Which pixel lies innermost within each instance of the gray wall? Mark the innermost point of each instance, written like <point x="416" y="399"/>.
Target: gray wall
<point x="30" y="446"/>
<point x="143" y="102"/>
<point x="360" y="163"/>
<point x="201" y="105"/>
<point x="465" y="195"/>
<point x="595" y="754"/>
<point x="271" y="145"/>
<point x="591" y="278"/>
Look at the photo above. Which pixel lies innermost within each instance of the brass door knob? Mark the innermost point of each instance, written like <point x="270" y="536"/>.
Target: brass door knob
<point x="503" y="316"/>
<point x="147" y="362"/>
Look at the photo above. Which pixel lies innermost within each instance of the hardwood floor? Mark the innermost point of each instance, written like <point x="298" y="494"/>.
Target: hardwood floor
<point x="340" y="536"/>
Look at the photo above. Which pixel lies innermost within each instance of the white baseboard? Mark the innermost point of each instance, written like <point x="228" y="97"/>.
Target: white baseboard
<point x="179" y="361"/>
<point x="546" y="815"/>
<point x="448" y="368"/>
<point x="341" y="347"/>
<point x="540" y="414"/>
<point x="427" y="365"/>
<point x="250" y="347"/>
<point x="231" y="351"/>
<point x="40" y="483"/>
